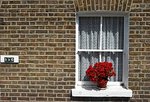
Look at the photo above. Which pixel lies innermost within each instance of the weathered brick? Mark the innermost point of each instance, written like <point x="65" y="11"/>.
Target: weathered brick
<point x="41" y="99"/>
<point x="137" y="1"/>
<point x="146" y="1"/>
<point x="23" y="98"/>
<point x="59" y="99"/>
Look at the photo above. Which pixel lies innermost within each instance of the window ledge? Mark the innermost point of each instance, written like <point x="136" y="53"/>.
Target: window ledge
<point x="110" y="91"/>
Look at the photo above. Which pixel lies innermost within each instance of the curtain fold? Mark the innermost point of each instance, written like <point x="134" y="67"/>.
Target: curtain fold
<point x="86" y="59"/>
<point x="112" y="33"/>
<point x="89" y="32"/>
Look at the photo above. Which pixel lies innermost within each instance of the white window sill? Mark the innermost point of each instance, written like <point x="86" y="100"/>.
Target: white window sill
<point x="110" y="91"/>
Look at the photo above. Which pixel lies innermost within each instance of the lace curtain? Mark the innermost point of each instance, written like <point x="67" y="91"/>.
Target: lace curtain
<point x="101" y="34"/>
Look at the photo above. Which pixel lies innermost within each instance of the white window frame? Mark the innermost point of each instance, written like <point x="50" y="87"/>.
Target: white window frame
<point x="79" y="91"/>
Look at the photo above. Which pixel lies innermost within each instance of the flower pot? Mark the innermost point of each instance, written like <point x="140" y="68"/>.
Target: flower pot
<point x="102" y="84"/>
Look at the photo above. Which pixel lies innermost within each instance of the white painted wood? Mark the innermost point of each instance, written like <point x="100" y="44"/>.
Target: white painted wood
<point x="94" y="50"/>
<point x="77" y="47"/>
<point x="126" y="51"/>
<point x="114" y="89"/>
<point x="101" y="26"/>
<point x="110" y="91"/>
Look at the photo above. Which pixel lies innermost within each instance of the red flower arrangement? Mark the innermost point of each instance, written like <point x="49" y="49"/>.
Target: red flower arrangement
<point x="100" y="73"/>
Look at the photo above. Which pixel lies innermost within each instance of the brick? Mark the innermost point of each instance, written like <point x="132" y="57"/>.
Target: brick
<point x="137" y="1"/>
<point x="4" y="2"/>
<point x="135" y="88"/>
<point x="51" y="2"/>
<point x="69" y="79"/>
<point x="33" y="2"/>
<point x="41" y="99"/>
<point x="59" y="99"/>
<point x="32" y="94"/>
<point x="146" y="1"/>
<point x="6" y="98"/>
<point x="5" y="6"/>
<point x="23" y="98"/>
<point x="136" y="19"/>
<point x="144" y="96"/>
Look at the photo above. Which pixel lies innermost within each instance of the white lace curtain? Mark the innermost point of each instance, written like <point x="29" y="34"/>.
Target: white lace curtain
<point x="101" y="34"/>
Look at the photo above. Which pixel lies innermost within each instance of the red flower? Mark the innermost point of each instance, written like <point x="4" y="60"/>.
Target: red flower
<point x="91" y="73"/>
<point x="100" y="72"/>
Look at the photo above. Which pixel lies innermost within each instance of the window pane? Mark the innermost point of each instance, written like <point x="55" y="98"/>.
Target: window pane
<point x="112" y="32"/>
<point x="86" y="59"/>
<point x="90" y="58"/>
<point x="89" y="32"/>
<point x="117" y="61"/>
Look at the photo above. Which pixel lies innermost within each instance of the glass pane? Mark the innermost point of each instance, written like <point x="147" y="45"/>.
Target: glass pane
<point x="90" y="58"/>
<point x="112" y="32"/>
<point x="117" y="61"/>
<point x="85" y="60"/>
<point x="89" y="32"/>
